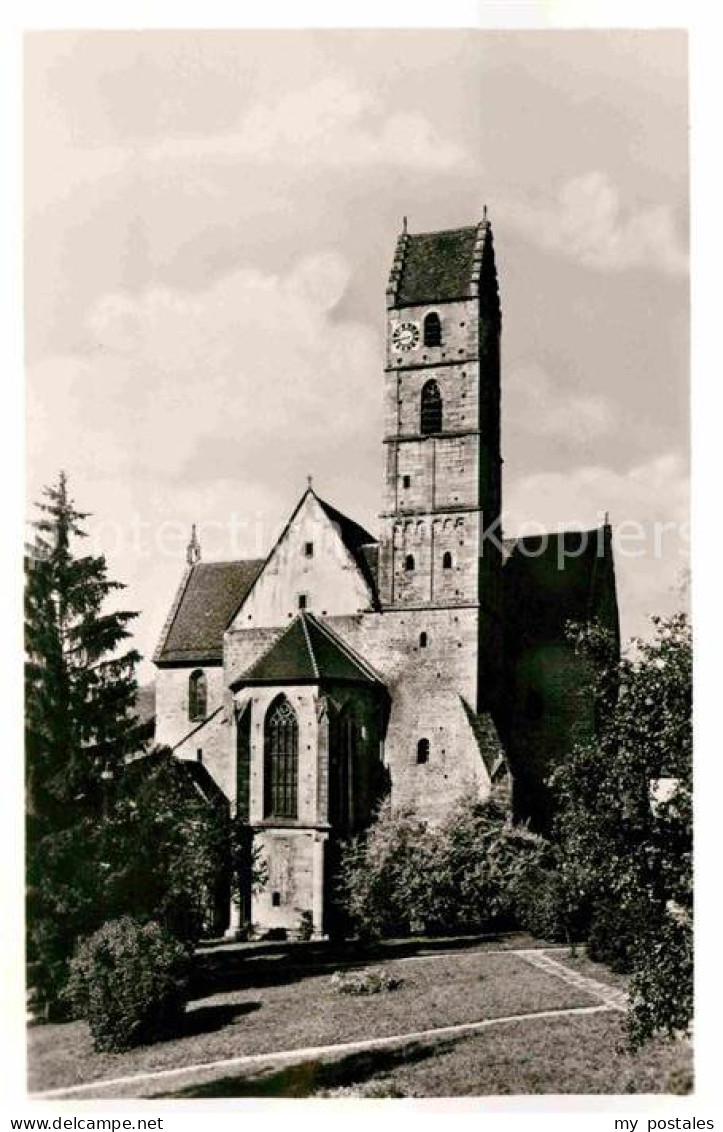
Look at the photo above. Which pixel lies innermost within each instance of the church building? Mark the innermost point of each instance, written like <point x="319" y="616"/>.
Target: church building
<point x="430" y="659"/>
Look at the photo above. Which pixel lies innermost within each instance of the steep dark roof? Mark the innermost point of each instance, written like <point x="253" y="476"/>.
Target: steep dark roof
<point x="207" y="599"/>
<point x="362" y="546"/>
<point x="437" y="266"/>
<point x="308" y="651"/>
<point x="488" y="741"/>
<point x="554" y="578"/>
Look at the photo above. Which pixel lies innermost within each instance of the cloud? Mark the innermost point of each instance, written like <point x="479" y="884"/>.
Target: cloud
<point x="331" y="124"/>
<point x="649" y="512"/>
<point x="253" y="360"/>
<point x="534" y="402"/>
<point x="207" y="406"/>
<point x="590" y="223"/>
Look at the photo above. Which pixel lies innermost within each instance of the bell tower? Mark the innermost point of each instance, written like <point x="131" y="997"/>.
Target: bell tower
<point x="442" y="429"/>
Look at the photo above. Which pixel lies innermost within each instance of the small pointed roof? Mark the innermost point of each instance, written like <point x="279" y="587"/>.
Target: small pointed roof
<point x="308" y="652"/>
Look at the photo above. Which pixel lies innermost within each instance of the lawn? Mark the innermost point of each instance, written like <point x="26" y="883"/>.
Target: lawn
<point x="576" y="1054"/>
<point x="259" y="1008"/>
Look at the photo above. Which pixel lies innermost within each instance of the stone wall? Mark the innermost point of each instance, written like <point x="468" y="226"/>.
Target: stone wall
<point x="426" y="684"/>
<point x="209" y="743"/>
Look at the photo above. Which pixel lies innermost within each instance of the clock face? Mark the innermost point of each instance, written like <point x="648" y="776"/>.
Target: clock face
<point x="405" y="336"/>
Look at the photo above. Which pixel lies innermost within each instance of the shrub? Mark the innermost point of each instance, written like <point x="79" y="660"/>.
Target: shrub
<point x="305" y="930"/>
<point x="130" y="981"/>
<point x="375" y="980"/>
<point x="404" y="876"/>
<point x="542" y="907"/>
<point x="384" y="877"/>
<point x="661" y="987"/>
<point x="625" y="823"/>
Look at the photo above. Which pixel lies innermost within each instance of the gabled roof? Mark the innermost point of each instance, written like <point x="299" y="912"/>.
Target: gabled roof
<point x="308" y="652"/>
<point x="206" y="599"/>
<point x="360" y="544"/>
<point x="551" y="579"/>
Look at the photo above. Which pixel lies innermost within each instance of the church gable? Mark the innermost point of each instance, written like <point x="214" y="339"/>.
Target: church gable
<point x="321" y="562"/>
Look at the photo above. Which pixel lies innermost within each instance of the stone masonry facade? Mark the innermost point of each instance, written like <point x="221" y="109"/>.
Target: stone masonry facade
<point x="431" y="661"/>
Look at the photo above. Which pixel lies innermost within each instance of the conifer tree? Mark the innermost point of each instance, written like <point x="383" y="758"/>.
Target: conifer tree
<point x="80" y="684"/>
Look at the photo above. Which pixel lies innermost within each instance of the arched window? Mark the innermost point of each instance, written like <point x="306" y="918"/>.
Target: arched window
<point x="281" y="760"/>
<point x="342" y="758"/>
<point x="432" y="330"/>
<point x="423" y="751"/>
<point x="447" y="560"/>
<point x="409" y="562"/>
<point x="422" y="640"/>
<point x="197" y="695"/>
<point x="431" y="415"/>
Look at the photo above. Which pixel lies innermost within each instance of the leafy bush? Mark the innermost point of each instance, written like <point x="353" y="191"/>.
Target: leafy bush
<point x="625" y="823"/>
<point x="375" y="980"/>
<point x="612" y="938"/>
<point x="661" y="987"/>
<point x="464" y="875"/>
<point x="542" y="905"/>
<point x="306" y="925"/>
<point x="130" y="981"/>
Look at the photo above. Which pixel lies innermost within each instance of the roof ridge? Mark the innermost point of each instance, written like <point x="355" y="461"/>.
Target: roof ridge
<point x="443" y="231"/>
<point x="227" y="562"/>
<point x="340" y="643"/>
<point x="271" y="645"/>
<point x="309" y="646"/>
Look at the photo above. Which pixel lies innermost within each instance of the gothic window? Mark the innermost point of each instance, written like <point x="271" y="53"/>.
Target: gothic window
<point x="431" y="416"/>
<point x="409" y="562"/>
<point x="309" y="549"/>
<point x="281" y="760"/>
<point x="197" y="695"/>
<point x="343" y="756"/>
<point x="447" y="560"/>
<point x="432" y="330"/>
<point x="423" y="751"/>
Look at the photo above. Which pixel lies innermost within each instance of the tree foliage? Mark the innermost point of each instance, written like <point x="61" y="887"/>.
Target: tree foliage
<point x="80" y="684"/>
<point x="161" y="853"/>
<point x="463" y="875"/>
<point x="624" y="822"/>
<point x="130" y="980"/>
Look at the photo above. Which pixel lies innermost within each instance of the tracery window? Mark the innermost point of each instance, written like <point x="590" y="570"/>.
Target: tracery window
<point x="281" y="760"/>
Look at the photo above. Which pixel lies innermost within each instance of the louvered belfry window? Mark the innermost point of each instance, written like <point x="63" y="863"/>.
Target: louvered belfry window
<point x="281" y="760"/>
<point x="432" y="330"/>
<point x="431" y="416"/>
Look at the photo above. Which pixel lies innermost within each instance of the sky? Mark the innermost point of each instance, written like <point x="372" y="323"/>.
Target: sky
<point x="210" y="221"/>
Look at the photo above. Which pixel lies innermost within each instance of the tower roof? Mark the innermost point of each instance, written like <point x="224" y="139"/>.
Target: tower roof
<point x="308" y="652"/>
<point x="438" y="267"/>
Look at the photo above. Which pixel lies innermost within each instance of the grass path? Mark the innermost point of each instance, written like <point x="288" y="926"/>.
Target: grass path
<point x="198" y="1073"/>
<point x="613" y="997"/>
